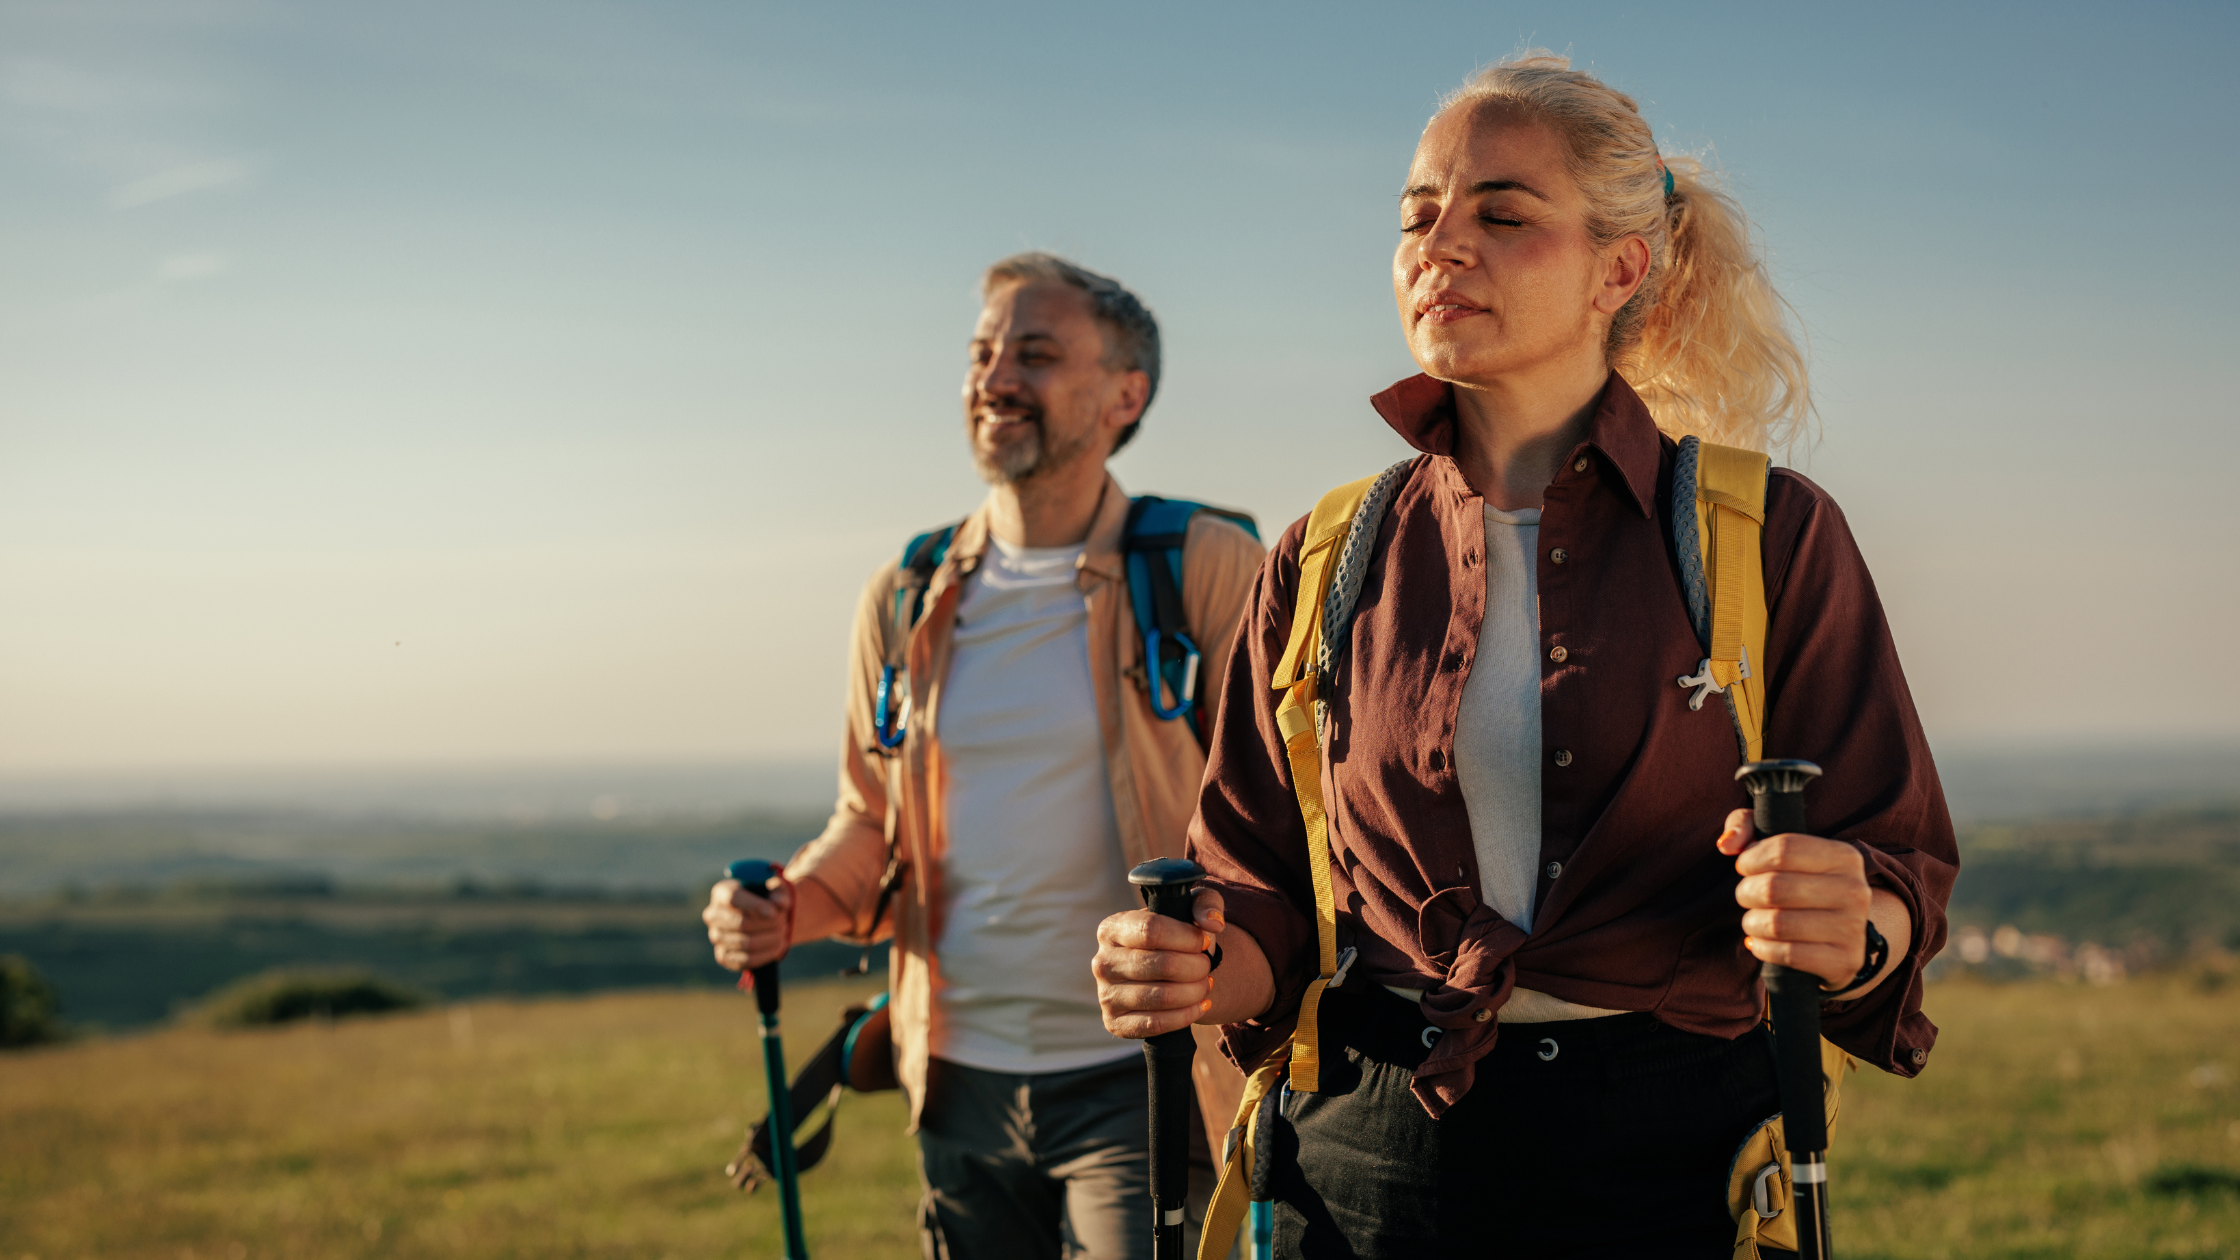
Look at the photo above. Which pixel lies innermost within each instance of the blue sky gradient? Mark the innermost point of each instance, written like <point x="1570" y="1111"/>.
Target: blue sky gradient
<point x="511" y="381"/>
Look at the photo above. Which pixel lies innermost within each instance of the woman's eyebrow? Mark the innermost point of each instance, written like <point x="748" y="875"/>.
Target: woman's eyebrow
<point x="1507" y="185"/>
<point x="1482" y="186"/>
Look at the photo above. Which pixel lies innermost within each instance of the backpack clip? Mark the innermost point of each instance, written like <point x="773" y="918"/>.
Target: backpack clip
<point x="1155" y="674"/>
<point x="1705" y="684"/>
<point x="1345" y="964"/>
<point x="892" y="722"/>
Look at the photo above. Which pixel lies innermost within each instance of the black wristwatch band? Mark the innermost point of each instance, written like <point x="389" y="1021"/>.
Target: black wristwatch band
<point x="1878" y="953"/>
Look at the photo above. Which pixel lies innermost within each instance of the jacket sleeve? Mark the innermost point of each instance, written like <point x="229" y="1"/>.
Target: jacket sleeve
<point x="850" y="856"/>
<point x="1837" y="697"/>
<point x="1219" y="564"/>
<point x="1247" y="832"/>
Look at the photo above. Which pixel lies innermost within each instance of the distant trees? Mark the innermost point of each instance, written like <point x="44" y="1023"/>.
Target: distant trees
<point x="286" y="994"/>
<point x="30" y="1013"/>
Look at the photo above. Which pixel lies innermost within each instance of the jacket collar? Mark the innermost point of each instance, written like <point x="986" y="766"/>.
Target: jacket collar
<point x="1101" y="558"/>
<point x="1421" y="410"/>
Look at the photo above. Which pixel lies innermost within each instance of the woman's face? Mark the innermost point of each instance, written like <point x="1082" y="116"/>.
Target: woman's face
<point x="1496" y="275"/>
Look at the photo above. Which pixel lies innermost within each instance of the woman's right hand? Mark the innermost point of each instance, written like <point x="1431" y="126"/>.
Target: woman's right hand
<point x="1154" y="975"/>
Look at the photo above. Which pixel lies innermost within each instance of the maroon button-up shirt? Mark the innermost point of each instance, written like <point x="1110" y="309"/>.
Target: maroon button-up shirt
<point x="1635" y="786"/>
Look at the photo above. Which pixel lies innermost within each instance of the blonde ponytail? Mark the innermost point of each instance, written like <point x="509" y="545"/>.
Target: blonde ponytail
<point x="1705" y="341"/>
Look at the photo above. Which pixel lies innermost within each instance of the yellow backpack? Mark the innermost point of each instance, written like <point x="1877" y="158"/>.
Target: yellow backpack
<point x="1723" y="575"/>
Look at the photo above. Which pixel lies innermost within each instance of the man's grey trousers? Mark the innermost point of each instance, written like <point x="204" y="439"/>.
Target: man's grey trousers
<point x="1041" y="1166"/>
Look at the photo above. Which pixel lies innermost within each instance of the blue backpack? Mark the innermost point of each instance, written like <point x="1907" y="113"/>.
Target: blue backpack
<point x="1151" y="544"/>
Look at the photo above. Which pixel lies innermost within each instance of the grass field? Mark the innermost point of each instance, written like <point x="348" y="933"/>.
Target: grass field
<point x="2054" y="1121"/>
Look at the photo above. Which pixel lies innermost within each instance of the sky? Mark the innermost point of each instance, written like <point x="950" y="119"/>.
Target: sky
<point x="516" y="382"/>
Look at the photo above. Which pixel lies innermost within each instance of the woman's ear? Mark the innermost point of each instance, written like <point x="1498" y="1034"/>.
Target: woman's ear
<point x="1624" y="267"/>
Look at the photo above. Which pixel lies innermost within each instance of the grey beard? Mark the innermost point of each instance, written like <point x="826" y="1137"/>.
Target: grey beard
<point x="1024" y="461"/>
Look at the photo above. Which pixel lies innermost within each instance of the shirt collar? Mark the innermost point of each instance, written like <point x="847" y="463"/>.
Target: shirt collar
<point x="1421" y="410"/>
<point x="1100" y="558"/>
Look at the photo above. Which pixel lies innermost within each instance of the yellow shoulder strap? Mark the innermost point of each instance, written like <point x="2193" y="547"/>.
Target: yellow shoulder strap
<point x="1730" y="512"/>
<point x="1327" y="526"/>
<point x="1318" y="558"/>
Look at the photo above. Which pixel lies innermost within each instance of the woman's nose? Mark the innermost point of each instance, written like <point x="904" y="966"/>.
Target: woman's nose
<point x="1445" y="245"/>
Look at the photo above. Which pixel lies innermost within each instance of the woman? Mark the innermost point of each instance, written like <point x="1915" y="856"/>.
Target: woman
<point x="1549" y="1041"/>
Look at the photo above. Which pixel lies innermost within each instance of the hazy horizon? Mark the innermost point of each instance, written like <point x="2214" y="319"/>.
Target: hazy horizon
<point x="1984" y="780"/>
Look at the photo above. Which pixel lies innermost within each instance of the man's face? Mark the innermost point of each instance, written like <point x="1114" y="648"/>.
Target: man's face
<point x="1037" y="395"/>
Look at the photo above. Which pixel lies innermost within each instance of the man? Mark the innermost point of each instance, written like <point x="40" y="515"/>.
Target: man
<point x="1030" y="773"/>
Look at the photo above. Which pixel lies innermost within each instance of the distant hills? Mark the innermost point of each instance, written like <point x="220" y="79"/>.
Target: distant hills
<point x="136" y="896"/>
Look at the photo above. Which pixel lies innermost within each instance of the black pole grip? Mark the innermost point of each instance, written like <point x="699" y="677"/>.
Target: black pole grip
<point x="755" y="875"/>
<point x="1168" y="885"/>
<point x="1777" y="796"/>
<point x="1793" y="997"/>
<point x="1777" y="792"/>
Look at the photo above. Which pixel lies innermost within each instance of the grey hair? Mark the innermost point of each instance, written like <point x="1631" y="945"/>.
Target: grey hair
<point x="1131" y="342"/>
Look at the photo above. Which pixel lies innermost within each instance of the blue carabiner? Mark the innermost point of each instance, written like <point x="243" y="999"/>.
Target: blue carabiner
<point x="1155" y="669"/>
<point x="889" y="738"/>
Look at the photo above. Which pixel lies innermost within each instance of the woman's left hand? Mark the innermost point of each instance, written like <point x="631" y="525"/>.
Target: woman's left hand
<point x="1805" y="901"/>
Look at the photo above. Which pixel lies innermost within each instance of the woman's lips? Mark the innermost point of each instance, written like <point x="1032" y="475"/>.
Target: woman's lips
<point x="1446" y="312"/>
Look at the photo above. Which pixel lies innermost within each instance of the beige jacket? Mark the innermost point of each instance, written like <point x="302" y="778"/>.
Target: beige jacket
<point x="1155" y="766"/>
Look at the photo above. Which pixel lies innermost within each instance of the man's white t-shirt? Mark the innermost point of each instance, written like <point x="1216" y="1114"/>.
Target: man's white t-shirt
<point x="1034" y="861"/>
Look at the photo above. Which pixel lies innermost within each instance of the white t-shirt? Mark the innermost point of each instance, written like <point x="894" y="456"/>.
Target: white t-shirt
<point x="1497" y="743"/>
<point x="1034" y="861"/>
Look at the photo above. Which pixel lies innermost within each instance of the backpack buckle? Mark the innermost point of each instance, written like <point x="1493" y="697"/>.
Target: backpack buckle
<point x="1345" y="962"/>
<point x="1705" y="684"/>
<point x="1702" y="681"/>
<point x="1761" y="1192"/>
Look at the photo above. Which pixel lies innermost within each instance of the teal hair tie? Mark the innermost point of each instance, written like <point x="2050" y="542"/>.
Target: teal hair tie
<point x="1667" y="178"/>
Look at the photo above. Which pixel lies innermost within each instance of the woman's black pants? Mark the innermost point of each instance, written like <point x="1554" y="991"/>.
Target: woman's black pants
<point x="1603" y="1137"/>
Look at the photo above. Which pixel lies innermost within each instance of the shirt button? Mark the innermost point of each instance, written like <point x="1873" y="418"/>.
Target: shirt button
<point x="1555" y="870"/>
<point x="1580" y="465"/>
<point x="1481" y="1015"/>
<point x="1557" y="653"/>
<point x="1563" y="756"/>
<point x="1559" y="555"/>
<point x="1920" y="1057"/>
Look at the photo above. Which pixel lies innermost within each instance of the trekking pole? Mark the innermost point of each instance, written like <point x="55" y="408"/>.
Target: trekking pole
<point x="1777" y="791"/>
<point x="1167" y="885"/>
<point x="755" y="877"/>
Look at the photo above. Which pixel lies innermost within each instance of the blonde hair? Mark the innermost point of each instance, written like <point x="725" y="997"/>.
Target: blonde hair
<point x="1705" y="341"/>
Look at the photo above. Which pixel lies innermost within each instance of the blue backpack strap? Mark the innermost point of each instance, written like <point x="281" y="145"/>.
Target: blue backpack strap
<point x="1151" y="545"/>
<point x="921" y="557"/>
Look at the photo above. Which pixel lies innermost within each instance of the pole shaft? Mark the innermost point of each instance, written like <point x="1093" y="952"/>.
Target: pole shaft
<point x="1166" y="1060"/>
<point x="1810" y="1200"/>
<point x="788" y="1170"/>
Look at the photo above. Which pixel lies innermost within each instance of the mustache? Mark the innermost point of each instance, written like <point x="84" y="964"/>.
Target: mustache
<point x="1029" y="408"/>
